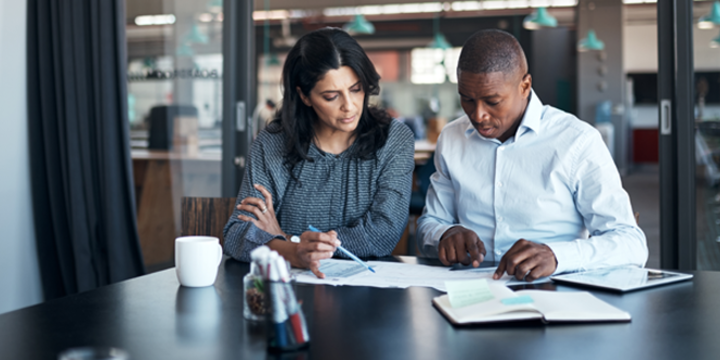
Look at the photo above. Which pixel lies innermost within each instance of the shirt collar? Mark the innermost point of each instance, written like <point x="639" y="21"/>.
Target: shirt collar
<point x="530" y="120"/>
<point x="533" y="114"/>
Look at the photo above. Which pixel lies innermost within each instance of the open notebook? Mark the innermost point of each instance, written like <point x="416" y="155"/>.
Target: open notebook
<point x="547" y="306"/>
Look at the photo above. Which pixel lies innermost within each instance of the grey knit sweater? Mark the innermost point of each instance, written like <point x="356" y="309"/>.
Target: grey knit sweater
<point x="365" y="201"/>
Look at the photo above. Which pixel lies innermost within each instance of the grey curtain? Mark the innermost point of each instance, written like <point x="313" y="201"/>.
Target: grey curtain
<point x="83" y="196"/>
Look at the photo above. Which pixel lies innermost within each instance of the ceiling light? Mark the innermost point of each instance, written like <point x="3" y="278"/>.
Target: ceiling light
<point x="439" y="42"/>
<point x="538" y="19"/>
<point x="591" y="42"/>
<point x="359" y="25"/>
<point x="145" y="20"/>
<point x="715" y="42"/>
<point x="710" y="20"/>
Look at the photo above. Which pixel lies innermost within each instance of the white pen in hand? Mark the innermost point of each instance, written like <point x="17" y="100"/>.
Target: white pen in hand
<point x="349" y="254"/>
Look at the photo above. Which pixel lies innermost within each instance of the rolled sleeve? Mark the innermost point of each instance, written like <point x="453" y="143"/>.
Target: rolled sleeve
<point x="607" y="213"/>
<point x="567" y="256"/>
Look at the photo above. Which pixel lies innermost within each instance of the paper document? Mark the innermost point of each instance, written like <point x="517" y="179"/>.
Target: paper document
<point x="392" y="275"/>
<point x="341" y="270"/>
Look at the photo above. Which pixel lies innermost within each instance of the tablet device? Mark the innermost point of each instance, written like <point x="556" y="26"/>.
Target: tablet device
<point x="622" y="279"/>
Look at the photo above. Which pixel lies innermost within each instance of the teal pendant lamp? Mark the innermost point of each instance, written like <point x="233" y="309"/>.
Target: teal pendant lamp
<point x="539" y="19"/>
<point x="359" y="25"/>
<point x="439" y="41"/>
<point x="184" y="50"/>
<point x="591" y="42"/>
<point x="709" y="21"/>
<point x="195" y="36"/>
<point x="715" y="42"/>
<point x="215" y="6"/>
<point x="272" y="60"/>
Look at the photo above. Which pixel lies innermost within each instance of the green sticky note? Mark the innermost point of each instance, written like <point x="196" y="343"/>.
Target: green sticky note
<point x="517" y="300"/>
<point x="467" y="292"/>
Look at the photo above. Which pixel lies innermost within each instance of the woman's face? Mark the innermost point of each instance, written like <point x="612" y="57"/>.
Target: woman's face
<point x="337" y="99"/>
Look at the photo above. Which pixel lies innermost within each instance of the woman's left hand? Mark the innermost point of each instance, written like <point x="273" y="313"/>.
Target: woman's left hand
<point x="263" y="210"/>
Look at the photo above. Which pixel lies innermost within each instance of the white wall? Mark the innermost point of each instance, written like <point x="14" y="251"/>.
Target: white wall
<point x="19" y="273"/>
<point x="640" y="49"/>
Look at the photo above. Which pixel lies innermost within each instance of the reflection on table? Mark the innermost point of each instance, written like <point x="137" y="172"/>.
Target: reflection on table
<point x="152" y="317"/>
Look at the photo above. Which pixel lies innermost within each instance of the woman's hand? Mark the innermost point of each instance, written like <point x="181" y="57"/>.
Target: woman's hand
<point x="263" y="210"/>
<point x="313" y="247"/>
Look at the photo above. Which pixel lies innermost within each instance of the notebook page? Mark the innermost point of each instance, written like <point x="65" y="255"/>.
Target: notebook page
<point x="488" y="311"/>
<point x="573" y="306"/>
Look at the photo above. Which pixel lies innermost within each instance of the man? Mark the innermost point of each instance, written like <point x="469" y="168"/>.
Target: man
<point x="522" y="183"/>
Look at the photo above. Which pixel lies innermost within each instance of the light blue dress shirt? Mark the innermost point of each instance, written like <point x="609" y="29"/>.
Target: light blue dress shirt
<point x="553" y="183"/>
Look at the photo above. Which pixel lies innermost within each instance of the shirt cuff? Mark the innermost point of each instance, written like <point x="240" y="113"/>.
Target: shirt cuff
<point x="567" y="254"/>
<point x="259" y="236"/>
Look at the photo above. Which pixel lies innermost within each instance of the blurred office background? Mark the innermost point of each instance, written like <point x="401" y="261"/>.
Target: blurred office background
<point x="203" y="77"/>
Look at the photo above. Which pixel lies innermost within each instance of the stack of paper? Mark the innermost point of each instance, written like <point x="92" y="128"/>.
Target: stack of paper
<point x="395" y="275"/>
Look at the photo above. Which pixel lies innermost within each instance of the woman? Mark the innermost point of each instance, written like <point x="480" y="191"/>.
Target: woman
<point x="327" y="160"/>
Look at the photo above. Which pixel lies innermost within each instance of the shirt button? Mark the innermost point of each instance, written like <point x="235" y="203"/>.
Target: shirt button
<point x="499" y="218"/>
<point x="499" y="184"/>
<point x="502" y="148"/>
<point x="498" y="252"/>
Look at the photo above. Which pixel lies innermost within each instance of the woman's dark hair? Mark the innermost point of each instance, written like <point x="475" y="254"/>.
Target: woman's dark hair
<point x="308" y="61"/>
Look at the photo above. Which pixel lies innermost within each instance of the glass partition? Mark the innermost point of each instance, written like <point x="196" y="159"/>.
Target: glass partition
<point x="706" y="97"/>
<point x="175" y="64"/>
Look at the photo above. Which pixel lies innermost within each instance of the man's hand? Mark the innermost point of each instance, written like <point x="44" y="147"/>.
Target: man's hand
<point x="528" y="261"/>
<point x="455" y="245"/>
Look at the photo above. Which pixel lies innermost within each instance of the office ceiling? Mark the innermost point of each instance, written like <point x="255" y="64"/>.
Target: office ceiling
<point x="634" y="13"/>
<point x="154" y="7"/>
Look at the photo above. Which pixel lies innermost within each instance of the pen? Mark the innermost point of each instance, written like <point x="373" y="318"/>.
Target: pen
<point x="349" y="254"/>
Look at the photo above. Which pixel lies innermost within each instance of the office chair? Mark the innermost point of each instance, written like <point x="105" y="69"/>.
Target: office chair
<point x="206" y="216"/>
<point x="422" y="179"/>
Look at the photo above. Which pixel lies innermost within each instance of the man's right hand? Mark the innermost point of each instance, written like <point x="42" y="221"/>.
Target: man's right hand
<point x="460" y="245"/>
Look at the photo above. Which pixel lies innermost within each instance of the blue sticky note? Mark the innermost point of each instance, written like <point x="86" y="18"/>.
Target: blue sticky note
<point x="517" y="300"/>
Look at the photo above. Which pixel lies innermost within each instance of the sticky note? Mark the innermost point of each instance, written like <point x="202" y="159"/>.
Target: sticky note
<point x="517" y="300"/>
<point x="467" y="292"/>
<point x="345" y="269"/>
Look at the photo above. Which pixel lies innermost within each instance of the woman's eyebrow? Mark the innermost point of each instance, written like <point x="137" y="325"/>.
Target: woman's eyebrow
<point x="330" y="91"/>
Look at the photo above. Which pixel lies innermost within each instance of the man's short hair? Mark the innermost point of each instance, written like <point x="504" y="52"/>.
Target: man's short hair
<point x="492" y="51"/>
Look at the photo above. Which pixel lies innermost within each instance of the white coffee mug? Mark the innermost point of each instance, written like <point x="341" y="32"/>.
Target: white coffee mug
<point x="197" y="259"/>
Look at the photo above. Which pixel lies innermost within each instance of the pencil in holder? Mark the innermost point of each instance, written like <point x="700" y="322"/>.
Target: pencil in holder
<point x="286" y="325"/>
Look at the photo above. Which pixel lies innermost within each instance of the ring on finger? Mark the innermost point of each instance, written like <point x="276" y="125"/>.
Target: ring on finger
<point x="264" y="210"/>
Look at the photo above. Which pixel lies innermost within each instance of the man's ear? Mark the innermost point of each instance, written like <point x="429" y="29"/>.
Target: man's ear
<point x="304" y="98"/>
<point x="526" y="85"/>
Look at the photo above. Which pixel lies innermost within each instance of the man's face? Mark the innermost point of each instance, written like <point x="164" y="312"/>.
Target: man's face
<point x="494" y="102"/>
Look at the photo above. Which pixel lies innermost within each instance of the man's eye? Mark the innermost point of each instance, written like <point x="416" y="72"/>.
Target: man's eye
<point x="493" y="103"/>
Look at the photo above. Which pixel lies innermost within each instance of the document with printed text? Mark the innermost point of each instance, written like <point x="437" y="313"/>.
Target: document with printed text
<point x="395" y="275"/>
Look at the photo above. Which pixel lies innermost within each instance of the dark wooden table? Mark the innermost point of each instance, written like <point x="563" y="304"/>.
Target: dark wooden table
<point x="152" y="317"/>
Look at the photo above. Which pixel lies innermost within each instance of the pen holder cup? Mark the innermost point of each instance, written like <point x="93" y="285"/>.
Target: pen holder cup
<point x="255" y="306"/>
<point x="286" y="325"/>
